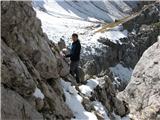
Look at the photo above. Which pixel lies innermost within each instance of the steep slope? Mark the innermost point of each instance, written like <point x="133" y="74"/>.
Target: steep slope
<point x="119" y="47"/>
<point x="62" y="18"/>
<point x="30" y="69"/>
<point x="143" y="92"/>
<point x="101" y="10"/>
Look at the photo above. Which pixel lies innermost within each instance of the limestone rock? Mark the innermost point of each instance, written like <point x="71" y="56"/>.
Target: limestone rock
<point x="143" y="92"/>
<point x="55" y="98"/>
<point x="90" y="68"/>
<point x="107" y="95"/>
<point x="16" y="107"/>
<point x="22" y="32"/>
<point x="15" y="74"/>
<point x="61" y="44"/>
<point x="62" y="63"/>
<point x="39" y="103"/>
<point x="28" y="61"/>
<point x="81" y="74"/>
<point x="145" y="17"/>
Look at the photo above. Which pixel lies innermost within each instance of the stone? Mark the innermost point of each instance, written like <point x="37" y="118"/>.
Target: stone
<point x="61" y="44"/>
<point x="87" y="104"/>
<point x="81" y="74"/>
<point x="15" y="74"/>
<point x="99" y="116"/>
<point x="145" y="16"/>
<point x="106" y="94"/>
<point x="54" y="95"/>
<point x="16" y="107"/>
<point x="39" y="104"/>
<point x="143" y="92"/>
<point x="90" y="68"/>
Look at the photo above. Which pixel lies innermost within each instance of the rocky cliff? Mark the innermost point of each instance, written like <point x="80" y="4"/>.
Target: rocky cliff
<point x="30" y="68"/>
<point x="143" y="92"/>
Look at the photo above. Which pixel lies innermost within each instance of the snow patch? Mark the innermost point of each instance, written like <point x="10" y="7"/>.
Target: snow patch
<point x="38" y="93"/>
<point x="89" y="87"/>
<point x="74" y="102"/>
<point x="100" y="109"/>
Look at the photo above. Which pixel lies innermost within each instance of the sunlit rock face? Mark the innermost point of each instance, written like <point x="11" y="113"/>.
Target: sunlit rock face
<point x="142" y="93"/>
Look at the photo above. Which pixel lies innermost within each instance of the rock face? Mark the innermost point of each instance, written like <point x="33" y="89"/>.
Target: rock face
<point x="143" y="92"/>
<point x="29" y="63"/>
<point x="107" y="95"/>
<point x="145" y="17"/>
<point x="132" y="47"/>
<point x="135" y="44"/>
<point x="14" y="107"/>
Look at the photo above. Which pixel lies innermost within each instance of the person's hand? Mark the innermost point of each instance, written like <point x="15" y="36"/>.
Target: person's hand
<point x="62" y="54"/>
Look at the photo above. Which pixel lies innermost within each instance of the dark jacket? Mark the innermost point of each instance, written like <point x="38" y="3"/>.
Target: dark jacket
<point x="75" y="51"/>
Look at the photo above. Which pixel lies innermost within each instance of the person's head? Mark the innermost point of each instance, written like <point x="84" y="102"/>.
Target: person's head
<point x="74" y="37"/>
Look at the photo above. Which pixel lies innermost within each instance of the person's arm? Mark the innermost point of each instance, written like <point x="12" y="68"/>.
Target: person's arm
<point x="71" y="53"/>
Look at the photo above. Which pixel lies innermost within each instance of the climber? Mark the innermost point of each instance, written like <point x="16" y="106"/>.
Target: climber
<point x="75" y="56"/>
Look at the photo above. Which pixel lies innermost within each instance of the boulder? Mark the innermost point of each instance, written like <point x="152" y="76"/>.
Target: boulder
<point x="90" y="68"/>
<point x="81" y="74"/>
<point x="15" y="107"/>
<point x="143" y="92"/>
<point x="39" y="104"/>
<point x="62" y="63"/>
<point x="61" y="44"/>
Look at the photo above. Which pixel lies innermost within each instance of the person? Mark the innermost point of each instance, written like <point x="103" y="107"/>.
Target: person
<point x="75" y="56"/>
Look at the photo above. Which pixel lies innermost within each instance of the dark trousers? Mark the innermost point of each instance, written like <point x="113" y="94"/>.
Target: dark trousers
<point x="74" y="70"/>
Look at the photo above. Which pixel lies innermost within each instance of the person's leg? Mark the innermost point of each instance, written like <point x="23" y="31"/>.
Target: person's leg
<point x="72" y="68"/>
<point x="77" y="72"/>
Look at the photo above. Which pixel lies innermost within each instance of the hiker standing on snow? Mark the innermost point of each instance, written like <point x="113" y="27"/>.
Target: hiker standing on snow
<point x="75" y="56"/>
